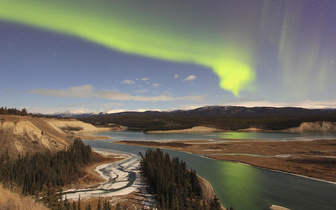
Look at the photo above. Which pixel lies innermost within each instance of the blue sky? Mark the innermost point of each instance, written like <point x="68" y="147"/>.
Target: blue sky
<point x="290" y="57"/>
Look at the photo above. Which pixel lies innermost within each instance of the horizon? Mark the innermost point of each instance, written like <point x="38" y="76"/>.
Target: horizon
<point x="117" y="111"/>
<point x="69" y="56"/>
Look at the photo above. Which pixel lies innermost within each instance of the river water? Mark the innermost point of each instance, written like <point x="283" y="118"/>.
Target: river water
<point x="238" y="185"/>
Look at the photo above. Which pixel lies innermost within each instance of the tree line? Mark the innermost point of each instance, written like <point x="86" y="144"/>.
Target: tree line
<point x="13" y="111"/>
<point x="38" y="171"/>
<point x="174" y="186"/>
<point x="24" y="112"/>
<point x="56" y="201"/>
<point x="43" y="174"/>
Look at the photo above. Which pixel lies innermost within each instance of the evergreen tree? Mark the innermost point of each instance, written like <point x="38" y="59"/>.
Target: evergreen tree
<point x="118" y="207"/>
<point x="175" y="186"/>
<point x="24" y="112"/>
<point x="13" y="111"/>
<point x="107" y="205"/>
<point x="74" y="206"/>
<point x="45" y="172"/>
<point x="215" y="204"/>
<point x="78" y="202"/>
<point x="99" y="205"/>
<point x="88" y="207"/>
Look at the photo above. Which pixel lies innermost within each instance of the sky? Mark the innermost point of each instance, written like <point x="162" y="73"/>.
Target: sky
<point x="111" y="56"/>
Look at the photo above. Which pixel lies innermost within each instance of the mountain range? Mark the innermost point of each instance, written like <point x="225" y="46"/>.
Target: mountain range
<point x="212" y="111"/>
<point x="221" y="117"/>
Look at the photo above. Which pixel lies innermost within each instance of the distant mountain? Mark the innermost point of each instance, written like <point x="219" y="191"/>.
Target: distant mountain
<point x="228" y="111"/>
<point x="240" y="111"/>
<point x="73" y="114"/>
<point x="210" y="111"/>
<point x="222" y="117"/>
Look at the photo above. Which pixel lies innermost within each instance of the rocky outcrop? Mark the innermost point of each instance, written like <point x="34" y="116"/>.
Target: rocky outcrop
<point x="207" y="190"/>
<point x="314" y="127"/>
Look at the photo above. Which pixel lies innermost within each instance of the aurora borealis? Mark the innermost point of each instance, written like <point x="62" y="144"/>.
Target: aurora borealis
<point x="277" y="52"/>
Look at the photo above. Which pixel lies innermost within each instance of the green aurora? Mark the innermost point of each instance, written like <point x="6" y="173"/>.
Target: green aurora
<point x="137" y="35"/>
<point x="278" y="49"/>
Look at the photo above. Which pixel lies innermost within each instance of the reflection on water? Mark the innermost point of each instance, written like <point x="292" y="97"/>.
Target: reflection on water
<point x="139" y="136"/>
<point x="235" y="135"/>
<point x="235" y="179"/>
<point x="275" y="136"/>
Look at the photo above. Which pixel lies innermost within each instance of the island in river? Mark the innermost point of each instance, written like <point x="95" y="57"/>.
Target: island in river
<point x="315" y="158"/>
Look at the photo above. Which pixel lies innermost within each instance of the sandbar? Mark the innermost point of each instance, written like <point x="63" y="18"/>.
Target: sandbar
<point x="313" y="158"/>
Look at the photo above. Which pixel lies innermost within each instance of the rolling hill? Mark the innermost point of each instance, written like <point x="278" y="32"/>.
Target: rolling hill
<point x="219" y="117"/>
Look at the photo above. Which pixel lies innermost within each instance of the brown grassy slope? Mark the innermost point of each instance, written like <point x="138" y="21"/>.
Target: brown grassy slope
<point x="13" y="201"/>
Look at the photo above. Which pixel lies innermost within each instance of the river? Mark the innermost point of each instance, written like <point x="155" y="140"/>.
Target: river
<point x="238" y="185"/>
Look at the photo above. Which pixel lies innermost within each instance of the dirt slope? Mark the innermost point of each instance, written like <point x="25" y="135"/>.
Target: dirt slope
<point x="21" y="134"/>
<point x="10" y="200"/>
<point x="314" y="127"/>
<point x="73" y="126"/>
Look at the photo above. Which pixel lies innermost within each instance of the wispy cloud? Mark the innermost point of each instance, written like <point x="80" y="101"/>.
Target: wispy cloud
<point x="128" y="82"/>
<point x="142" y="91"/>
<point x="191" y="106"/>
<point x="145" y="79"/>
<point x="127" y="97"/>
<point x="88" y="91"/>
<point x="176" y="76"/>
<point x="53" y="110"/>
<point x="156" y="85"/>
<point x="85" y="91"/>
<point x="190" y="78"/>
<point x="130" y="110"/>
<point x="76" y="108"/>
<point x="76" y="105"/>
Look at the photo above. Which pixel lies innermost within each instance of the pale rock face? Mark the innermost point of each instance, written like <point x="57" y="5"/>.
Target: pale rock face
<point x="65" y="126"/>
<point x="7" y="125"/>
<point x="315" y="127"/>
<point x="22" y="134"/>
<point x="328" y="126"/>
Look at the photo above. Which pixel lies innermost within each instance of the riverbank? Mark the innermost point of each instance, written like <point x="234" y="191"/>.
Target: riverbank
<point x="315" y="159"/>
<point x="196" y="129"/>
<point x="116" y="178"/>
<point x="100" y="174"/>
<point x="91" y="137"/>
<point x="89" y="177"/>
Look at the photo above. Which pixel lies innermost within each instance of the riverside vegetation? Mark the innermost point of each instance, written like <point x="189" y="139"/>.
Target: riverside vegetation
<point x="33" y="173"/>
<point x="174" y="186"/>
<point x="43" y="175"/>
